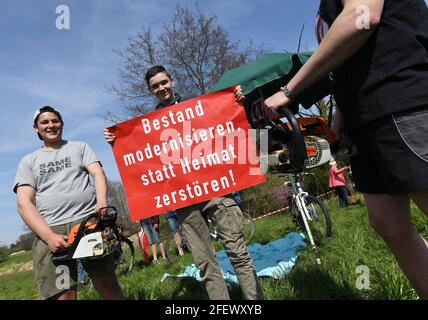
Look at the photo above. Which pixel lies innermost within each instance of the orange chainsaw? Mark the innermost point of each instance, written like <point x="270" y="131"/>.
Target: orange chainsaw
<point x="93" y="237"/>
<point x="295" y="144"/>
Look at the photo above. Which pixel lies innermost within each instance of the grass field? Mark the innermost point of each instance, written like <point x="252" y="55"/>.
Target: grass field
<point x="353" y="244"/>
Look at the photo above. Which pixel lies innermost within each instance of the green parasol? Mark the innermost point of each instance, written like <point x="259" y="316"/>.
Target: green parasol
<point x="264" y="77"/>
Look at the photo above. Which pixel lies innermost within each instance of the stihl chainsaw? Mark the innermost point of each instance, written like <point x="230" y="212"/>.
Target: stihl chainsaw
<point x="93" y="237"/>
<point x="297" y="144"/>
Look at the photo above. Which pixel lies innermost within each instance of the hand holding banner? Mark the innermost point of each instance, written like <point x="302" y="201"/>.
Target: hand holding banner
<point x="184" y="154"/>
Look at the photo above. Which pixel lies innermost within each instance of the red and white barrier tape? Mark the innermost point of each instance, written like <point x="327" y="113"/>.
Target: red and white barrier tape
<point x="286" y="208"/>
<point x="324" y="194"/>
<point x="271" y="213"/>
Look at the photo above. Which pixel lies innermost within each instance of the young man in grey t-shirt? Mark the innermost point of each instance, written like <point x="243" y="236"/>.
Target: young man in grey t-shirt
<point x="54" y="192"/>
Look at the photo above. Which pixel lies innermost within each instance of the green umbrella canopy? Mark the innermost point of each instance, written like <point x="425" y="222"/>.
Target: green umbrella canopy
<point x="264" y="76"/>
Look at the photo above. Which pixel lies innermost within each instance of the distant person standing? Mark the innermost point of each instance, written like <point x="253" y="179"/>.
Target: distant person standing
<point x="337" y="181"/>
<point x="173" y="225"/>
<point x="151" y="227"/>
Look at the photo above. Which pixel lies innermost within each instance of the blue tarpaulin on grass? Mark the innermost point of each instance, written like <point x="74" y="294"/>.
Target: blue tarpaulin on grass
<point x="274" y="259"/>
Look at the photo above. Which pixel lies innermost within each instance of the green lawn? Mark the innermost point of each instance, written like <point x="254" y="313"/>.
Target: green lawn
<point x="18" y="286"/>
<point x="353" y="244"/>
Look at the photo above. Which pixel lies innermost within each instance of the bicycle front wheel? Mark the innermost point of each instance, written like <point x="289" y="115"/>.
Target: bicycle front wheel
<point x="124" y="257"/>
<point x="319" y="222"/>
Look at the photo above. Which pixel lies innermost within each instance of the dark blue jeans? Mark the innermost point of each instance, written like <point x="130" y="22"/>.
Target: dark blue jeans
<point x="342" y="192"/>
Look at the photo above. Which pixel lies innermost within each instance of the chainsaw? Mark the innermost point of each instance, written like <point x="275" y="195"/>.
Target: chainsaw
<point x="93" y="237"/>
<point x="294" y="145"/>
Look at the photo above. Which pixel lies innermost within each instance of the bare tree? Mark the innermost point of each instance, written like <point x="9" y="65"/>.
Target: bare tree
<point x="193" y="47"/>
<point x="322" y="108"/>
<point x="4" y="253"/>
<point x="300" y="38"/>
<point x="24" y="242"/>
<point x="116" y="198"/>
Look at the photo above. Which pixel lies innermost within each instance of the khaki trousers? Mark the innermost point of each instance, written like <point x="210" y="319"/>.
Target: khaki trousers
<point x="228" y="219"/>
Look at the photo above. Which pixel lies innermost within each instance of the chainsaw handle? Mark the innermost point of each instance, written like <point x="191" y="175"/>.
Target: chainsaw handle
<point x="297" y="136"/>
<point x="290" y="135"/>
<point x="82" y="225"/>
<point x="102" y="218"/>
<point x="112" y="212"/>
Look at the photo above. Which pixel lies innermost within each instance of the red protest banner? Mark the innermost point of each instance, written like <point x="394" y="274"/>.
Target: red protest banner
<point x="184" y="154"/>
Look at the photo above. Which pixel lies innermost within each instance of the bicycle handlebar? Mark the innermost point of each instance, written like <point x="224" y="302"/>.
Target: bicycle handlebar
<point x="307" y="174"/>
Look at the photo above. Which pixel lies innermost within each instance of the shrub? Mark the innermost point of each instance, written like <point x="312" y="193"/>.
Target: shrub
<point x="4" y="253"/>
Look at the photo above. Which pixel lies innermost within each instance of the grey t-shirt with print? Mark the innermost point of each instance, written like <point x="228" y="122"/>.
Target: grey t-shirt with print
<point x="64" y="192"/>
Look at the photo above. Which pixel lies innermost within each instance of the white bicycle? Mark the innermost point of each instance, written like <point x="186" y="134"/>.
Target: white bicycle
<point x="309" y="214"/>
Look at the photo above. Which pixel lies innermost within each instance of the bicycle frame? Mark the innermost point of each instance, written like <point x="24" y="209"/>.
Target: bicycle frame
<point x="298" y="198"/>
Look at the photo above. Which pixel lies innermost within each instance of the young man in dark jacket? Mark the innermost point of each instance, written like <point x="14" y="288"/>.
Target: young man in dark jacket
<point x="227" y="215"/>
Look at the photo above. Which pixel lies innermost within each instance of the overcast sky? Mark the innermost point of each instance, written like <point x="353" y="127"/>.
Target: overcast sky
<point x="69" y="69"/>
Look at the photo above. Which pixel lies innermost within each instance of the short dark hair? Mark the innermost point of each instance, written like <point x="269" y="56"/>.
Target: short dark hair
<point x="152" y="71"/>
<point x="43" y="110"/>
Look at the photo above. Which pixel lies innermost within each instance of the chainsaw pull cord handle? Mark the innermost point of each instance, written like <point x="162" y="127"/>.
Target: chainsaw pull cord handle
<point x="299" y="146"/>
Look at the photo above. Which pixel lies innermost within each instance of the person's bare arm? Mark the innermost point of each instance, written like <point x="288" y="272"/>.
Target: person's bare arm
<point x="34" y="220"/>
<point x="101" y="187"/>
<point x="342" y="169"/>
<point x="340" y="43"/>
